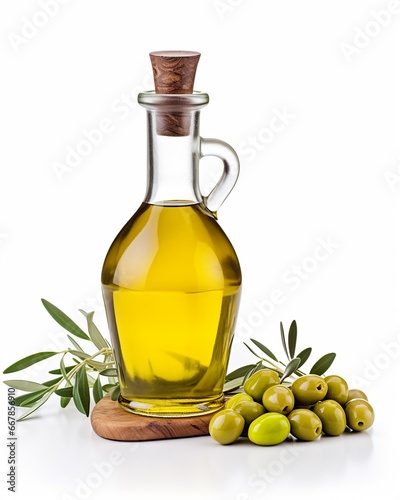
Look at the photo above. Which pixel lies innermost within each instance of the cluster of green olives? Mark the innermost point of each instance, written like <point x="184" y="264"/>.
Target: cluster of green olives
<point x="268" y="411"/>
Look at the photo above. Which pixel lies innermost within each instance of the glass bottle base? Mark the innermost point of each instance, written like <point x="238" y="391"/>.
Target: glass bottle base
<point x="172" y="408"/>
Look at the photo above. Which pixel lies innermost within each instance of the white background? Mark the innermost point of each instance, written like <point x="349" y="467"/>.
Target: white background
<point x="331" y="173"/>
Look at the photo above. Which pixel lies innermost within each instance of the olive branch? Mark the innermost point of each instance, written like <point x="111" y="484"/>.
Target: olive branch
<point x="73" y="381"/>
<point x="235" y="380"/>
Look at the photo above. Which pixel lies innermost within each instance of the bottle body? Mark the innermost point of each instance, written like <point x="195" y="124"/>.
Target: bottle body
<point x="171" y="279"/>
<point x="171" y="283"/>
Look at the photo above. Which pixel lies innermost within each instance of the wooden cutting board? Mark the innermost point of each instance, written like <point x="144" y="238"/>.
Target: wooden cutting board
<point x="110" y="421"/>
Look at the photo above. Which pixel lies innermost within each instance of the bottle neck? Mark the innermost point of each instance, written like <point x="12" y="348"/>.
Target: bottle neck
<point x="172" y="161"/>
<point x="173" y="149"/>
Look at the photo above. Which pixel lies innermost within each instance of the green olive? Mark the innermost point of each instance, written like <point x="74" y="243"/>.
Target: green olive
<point x="278" y="398"/>
<point x="269" y="429"/>
<point x="305" y="424"/>
<point x="226" y="426"/>
<point x="259" y="382"/>
<point x="360" y="414"/>
<point x="234" y="400"/>
<point x="332" y="416"/>
<point x="337" y="389"/>
<point x="356" y="393"/>
<point x="309" y="389"/>
<point x="250" y="410"/>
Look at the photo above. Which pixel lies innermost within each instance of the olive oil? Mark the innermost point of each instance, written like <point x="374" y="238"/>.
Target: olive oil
<point x="171" y="284"/>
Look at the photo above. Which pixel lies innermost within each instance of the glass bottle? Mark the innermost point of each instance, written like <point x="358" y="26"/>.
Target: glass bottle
<point x="171" y="280"/>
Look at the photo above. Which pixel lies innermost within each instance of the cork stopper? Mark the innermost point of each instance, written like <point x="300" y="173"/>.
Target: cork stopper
<point x="174" y="72"/>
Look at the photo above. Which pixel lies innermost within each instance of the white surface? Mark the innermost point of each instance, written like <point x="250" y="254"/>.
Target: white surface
<point x="331" y="173"/>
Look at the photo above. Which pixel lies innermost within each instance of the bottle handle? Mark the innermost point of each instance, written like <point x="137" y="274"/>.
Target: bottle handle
<point x="230" y="160"/>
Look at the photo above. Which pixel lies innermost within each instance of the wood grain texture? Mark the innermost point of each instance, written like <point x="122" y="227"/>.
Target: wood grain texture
<point x="174" y="73"/>
<point x="110" y="421"/>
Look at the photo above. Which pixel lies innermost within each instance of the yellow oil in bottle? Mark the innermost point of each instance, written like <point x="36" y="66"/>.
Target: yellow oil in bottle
<point x="171" y="284"/>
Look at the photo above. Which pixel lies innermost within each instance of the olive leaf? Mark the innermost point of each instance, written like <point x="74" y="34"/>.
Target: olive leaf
<point x="75" y="344"/>
<point x="284" y="341"/>
<point x="109" y="372"/>
<point x="20" y="399"/>
<point x="79" y="354"/>
<point x="108" y="387"/>
<point x="291" y="367"/>
<point x="322" y="365"/>
<point x="265" y="349"/>
<point x="304" y="355"/>
<point x="80" y="392"/>
<point x="232" y="385"/>
<point x="97" y="390"/>
<point x="258" y="366"/>
<point x="57" y="371"/>
<point x="49" y="383"/>
<point x="292" y="338"/>
<point x="25" y="385"/>
<point x="116" y="393"/>
<point x="29" y="361"/>
<point x="63" y="320"/>
<point x="251" y="350"/>
<point x="65" y="392"/>
<point x="98" y="365"/>
<point x="64" y="401"/>
<point x="63" y="370"/>
<point x="95" y="336"/>
<point x="239" y="372"/>
<point x="31" y="398"/>
<point x="36" y="406"/>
